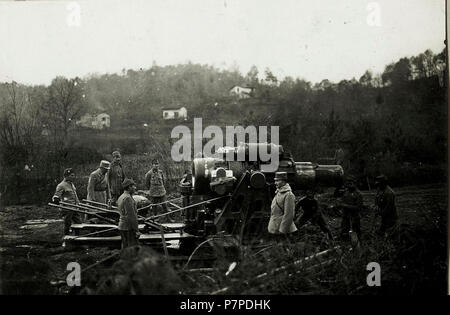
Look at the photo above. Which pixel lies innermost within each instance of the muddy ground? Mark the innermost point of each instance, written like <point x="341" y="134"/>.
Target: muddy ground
<point x="34" y="262"/>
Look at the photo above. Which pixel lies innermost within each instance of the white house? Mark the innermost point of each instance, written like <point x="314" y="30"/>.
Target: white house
<point x="99" y="121"/>
<point x="175" y="113"/>
<point x="242" y="91"/>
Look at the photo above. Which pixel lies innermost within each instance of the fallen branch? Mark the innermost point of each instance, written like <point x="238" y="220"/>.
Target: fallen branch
<point x="297" y="262"/>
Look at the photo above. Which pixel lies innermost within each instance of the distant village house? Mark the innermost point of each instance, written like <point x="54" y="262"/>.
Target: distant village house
<point x="94" y="121"/>
<point x="175" y="113"/>
<point x="242" y="91"/>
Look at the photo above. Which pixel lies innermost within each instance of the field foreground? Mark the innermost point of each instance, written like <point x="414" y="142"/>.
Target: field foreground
<point x="412" y="262"/>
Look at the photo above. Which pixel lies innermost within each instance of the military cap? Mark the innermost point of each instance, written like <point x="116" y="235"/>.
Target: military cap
<point x="105" y="164"/>
<point x="281" y="176"/>
<point x="127" y="183"/>
<point x="116" y="153"/>
<point x="68" y="171"/>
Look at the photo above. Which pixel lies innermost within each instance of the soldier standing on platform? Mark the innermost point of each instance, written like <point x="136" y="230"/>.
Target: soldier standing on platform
<point x="98" y="187"/>
<point x="116" y="176"/>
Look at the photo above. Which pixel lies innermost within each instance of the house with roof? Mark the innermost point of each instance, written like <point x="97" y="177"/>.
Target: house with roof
<point x="174" y="113"/>
<point x="95" y="121"/>
<point x="242" y="91"/>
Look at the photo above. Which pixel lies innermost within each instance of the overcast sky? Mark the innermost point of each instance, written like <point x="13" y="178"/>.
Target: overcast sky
<point x="308" y="39"/>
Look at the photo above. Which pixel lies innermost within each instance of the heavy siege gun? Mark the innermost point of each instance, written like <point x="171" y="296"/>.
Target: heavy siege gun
<point x="248" y="180"/>
<point x="228" y="196"/>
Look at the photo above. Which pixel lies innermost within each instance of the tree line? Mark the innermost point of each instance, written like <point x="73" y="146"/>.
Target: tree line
<point x="393" y="122"/>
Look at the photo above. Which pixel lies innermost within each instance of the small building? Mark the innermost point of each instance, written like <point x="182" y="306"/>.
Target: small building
<point x="242" y="91"/>
<point x="175" y="113"/>
<point x="95" y="121"/>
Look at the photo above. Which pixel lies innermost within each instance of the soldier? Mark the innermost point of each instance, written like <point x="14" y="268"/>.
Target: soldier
<point x="312" y="212"/>
<point x="282" y="208"/>
<point x="154" y="181"/>
<point x="351" y="204"/>
<point x="116" y="176"/>
<point x="128" y="222"/>
<point x="186" y="186"/>
<point x="98" y="188"/>
<point x="385" y="204"/>
<point x="67" y="192"/>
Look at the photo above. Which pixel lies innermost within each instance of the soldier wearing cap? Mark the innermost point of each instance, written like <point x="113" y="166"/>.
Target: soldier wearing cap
<point x="67" y="192"/>
<point x="154" y="182"/>
<point x="351" y="204"/>
<point x="128" y="222"/>
<point x="385" y="204"/>
<point x="116" y="176"/>
<point x="282" y="208"/>
<point x="312" y="212"/>
<point x="98" y="188"/>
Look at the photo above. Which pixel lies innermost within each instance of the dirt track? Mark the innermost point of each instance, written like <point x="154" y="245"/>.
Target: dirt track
<point x="33" y="261"/>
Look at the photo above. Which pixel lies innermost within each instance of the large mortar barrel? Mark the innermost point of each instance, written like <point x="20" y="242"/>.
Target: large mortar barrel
<point x="301" y="175"/>
<point x="310" y="175"/>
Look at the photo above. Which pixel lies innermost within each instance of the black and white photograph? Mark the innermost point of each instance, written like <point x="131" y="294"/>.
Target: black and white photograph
<point x="224" y="152"/>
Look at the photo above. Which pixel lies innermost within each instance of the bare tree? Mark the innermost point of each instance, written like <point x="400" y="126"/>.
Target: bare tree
<point x="19" y="119"/>
<point x="65" y="103"/>
<point x="19" y="132"/>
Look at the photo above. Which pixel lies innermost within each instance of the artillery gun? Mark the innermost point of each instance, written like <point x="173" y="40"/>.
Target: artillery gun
<point x="249" y="187"/>
<point x="229" y="197"/>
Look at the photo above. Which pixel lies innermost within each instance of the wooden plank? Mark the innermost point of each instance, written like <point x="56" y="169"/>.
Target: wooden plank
<point x="144" y="237"/>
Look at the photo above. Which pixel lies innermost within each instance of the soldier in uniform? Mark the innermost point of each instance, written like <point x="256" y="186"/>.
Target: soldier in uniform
<point x="154" y="181"/>
<point x="67" y="192"/>
<point x="351" y="204"/>
<point x="98" y="188"/>
<point x="385" y="204"/>
<point x="128" y="222"/>
<point x="282" y="212"/>
<point x="116" y="176"/>
<point x="312" y="212"/>
<point x="186" y="183"/>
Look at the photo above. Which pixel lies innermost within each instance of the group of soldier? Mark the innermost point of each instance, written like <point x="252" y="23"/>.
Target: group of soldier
<point x="285" y="216"/>
<point x="109" y="185"/>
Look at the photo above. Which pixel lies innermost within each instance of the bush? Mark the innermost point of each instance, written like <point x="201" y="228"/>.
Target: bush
<point x="140" y="270"/>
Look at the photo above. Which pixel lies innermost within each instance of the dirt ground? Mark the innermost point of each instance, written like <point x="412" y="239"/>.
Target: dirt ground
<point x="34" y="262"/>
